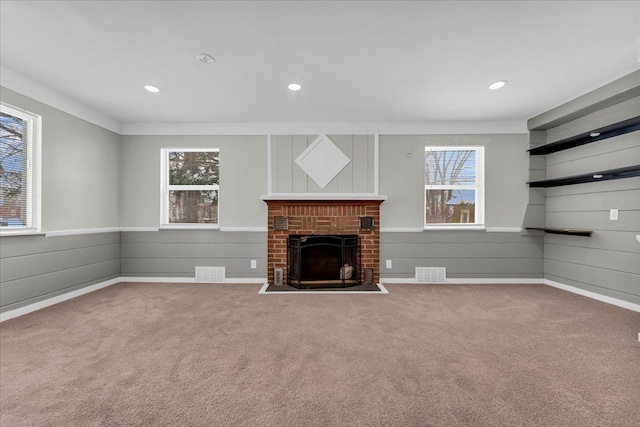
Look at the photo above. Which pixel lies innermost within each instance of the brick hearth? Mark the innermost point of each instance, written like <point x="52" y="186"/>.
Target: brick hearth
<point x="322" y="217"/>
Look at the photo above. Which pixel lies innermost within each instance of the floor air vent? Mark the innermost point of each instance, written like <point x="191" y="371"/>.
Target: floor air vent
<point x="209" y="274"/>
<point x="431" y="275"/>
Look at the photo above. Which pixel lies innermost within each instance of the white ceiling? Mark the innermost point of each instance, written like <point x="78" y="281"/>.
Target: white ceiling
<point x="361" y="61"/>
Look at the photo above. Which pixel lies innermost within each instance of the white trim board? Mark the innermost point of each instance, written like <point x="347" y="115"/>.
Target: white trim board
<point x="133" y="279"/>
<point x="275" y="196"/>
<point x="466" y="281"/>
<point x="323" y="196"/>
<point x="329" y="128"/>
<point x="59" y="233"/>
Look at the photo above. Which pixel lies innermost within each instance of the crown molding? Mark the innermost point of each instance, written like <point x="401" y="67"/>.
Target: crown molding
<point x="328" y="128"/>
<point x="29" y="88"/>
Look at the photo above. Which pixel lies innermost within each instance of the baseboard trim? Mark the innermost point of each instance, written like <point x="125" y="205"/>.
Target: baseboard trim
<point x="603" y="298"/>
<point x="21" y="311"/>
<point x="482" y="281"/>
<point x="146" y="279"/>
<point x="252" y="281"/>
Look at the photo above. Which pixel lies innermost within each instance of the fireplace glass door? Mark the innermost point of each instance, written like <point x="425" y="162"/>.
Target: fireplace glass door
<point x="323" y="261"/>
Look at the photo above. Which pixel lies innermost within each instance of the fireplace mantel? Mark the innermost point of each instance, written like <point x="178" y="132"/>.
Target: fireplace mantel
<point x="342" y="197"/>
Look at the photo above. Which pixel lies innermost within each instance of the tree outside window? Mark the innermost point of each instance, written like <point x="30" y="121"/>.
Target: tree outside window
<point x="18" y="192"/>
<point x="192" y="188"/>
<point x="453" y="185"/>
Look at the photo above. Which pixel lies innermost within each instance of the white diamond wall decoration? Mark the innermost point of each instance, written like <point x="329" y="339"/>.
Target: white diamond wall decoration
<point x="322" y="160"/>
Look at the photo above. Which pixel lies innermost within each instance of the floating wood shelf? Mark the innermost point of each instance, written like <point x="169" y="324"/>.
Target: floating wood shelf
<point x="568" y="231"/>
<point x="620" y="173"/>
<point x="620" y="128"/>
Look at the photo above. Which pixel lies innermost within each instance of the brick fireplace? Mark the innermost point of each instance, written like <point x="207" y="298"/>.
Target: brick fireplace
<point x="323" y="217"/>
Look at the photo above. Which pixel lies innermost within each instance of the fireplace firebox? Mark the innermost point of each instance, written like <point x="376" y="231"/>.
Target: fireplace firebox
<point x="323" y="261"/>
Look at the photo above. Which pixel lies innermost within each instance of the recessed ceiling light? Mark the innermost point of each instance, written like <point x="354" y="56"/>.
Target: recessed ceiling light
<point x="497" y="85"/>
<point x="294" y="86"/>
<point x="594" y="134"/>
<point x="206" y="59"/>
<point x="152" y="88"/>
<point x="597" y="175"/>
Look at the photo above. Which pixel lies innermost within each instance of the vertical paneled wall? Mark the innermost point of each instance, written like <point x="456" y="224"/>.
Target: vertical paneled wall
<point x="607" y="263"/>
<point x="356" y="177"/>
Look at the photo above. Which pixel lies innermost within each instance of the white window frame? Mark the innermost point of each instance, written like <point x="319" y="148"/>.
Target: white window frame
<point x="34" y="168"/>
<point x="165" y="188"/>
<point x="478" y="187"/>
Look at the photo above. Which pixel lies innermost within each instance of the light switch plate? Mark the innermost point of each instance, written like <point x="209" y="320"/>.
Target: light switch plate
<point x="613" y="214"/>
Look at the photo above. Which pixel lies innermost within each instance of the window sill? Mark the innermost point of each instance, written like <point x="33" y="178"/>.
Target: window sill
<point x="454" y="227"/>
<point x="190" y="227"/>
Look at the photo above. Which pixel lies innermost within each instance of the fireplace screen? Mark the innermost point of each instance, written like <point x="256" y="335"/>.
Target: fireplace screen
<point x="327" y="261"/>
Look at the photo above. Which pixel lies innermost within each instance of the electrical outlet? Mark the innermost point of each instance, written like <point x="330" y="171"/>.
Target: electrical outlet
<point x="253" y="263"/>
<point x="409" y="154"/>
<point x="613" y="214"/>
<point x="389" y="265"/>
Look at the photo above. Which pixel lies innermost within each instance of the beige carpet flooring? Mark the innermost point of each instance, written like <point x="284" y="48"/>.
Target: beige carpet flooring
<point x="221" y="355"/>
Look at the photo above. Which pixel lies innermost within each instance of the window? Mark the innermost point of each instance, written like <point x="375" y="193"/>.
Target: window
<point x="190" y="186"/>
<point x="19" y="170"/>
<point x="454" y="186"/>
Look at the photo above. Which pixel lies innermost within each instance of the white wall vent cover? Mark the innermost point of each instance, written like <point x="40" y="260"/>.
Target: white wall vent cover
<point x="209" y="274"/>
<point x="322" y="160"/>
<point x="431" y="275"/>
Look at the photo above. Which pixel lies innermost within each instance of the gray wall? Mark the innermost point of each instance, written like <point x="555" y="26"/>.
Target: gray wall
<point x="80" y="190"/>
<point x="243" y="178"/>
<point x="34" y="268"/>
<point x="176" y="253"/>
<point x="465" y="254"/>
<point x="402" y="178"/>
<point x="608" y="263"/>
<point x="80" y="169"/>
